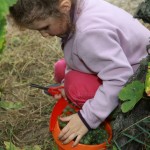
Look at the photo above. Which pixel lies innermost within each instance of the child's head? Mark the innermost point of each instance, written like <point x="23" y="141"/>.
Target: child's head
<point x="40" y="14"/>
<point x="25" y="12"/>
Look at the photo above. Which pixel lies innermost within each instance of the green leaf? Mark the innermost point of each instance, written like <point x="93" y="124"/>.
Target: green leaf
<point x="36" y="147"/>
<point x="4" y="10"/>
<point x="147" y="80"/>
<point x="130" y="95"/>
<point x="10" y="146"/>
<point x="2" y="33"/>
<point x="127" y="106"/>
<point x="4" y="6"/>
<point x="10" y="105"/>
<point x="114" y="148"/>
<point x="133" y="91"/>
<point x="10" y="2"/>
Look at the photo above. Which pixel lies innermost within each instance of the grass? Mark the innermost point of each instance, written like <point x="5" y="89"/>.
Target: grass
<point x="27" y="58"/>
<point x="141" y="135"/>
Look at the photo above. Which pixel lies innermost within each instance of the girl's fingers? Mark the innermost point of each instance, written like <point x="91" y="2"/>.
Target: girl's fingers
<point x="63" y="132"/>
<point x="65" y="119"/>
<point x="57" y="96"/>
<point x="75" y="128"/>
<point x="68" y="135"/>
<point x="69" y="138"/>
<point x="62" y="94"/>
<point x="77" y="140"/>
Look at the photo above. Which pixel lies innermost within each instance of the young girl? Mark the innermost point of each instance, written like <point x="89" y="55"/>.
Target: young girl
<point x="99" y="41"/>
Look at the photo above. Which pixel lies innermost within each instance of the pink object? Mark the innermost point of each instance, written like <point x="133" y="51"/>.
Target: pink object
<point x="79" y="87"/>
<point x="59" y="70"/>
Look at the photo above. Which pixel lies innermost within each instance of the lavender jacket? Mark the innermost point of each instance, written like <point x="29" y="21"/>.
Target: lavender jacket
<point x="110" y="43"/>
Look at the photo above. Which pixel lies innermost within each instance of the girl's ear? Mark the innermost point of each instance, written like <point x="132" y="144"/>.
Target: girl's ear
<point x="64" y="6"/>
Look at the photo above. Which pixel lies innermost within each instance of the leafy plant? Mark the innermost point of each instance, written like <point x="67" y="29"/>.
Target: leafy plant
<point x="4" y="10"/>
<point x="10" y="105"/>
<point x="130" y="95"/>
<point x="11" y="146"/>
<point x="147" y="81"/>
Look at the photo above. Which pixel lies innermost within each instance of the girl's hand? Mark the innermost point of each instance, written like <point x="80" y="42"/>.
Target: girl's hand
<point x="74" y="129"/>
<point x="62" y="93"/>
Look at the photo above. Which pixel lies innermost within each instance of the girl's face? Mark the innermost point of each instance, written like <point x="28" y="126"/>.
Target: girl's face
<point x="52" y="26"/>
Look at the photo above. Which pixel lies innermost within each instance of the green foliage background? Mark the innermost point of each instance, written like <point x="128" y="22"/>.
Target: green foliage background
<point x="4" y="10"/>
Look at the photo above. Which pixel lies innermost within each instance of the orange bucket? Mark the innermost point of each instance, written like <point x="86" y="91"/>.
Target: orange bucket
<point x="54" y="128"/>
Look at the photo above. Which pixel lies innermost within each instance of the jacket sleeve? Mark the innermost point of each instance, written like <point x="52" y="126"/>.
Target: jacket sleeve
<point x="101" y="52"/>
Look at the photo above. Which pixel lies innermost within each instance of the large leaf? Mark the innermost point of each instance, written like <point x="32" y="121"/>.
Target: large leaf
<point x="133" y="91"/>
<point x="10" y="146"/>
<point x="4" y="9"/>
<point x="147" y="80"/>
<point x="131" y="94"/>
<point x="128" y="105"/>
<point x="4" y="6"/>
<point x="2" y="33"/>
<point x="10" y="105"/>
<point x="10" y="2"/>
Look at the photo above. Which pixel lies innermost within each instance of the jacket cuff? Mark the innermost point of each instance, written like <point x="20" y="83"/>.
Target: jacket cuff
<point x="83" y="120"/>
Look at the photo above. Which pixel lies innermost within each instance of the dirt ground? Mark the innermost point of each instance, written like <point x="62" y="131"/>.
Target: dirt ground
<point x="29" y="58"/>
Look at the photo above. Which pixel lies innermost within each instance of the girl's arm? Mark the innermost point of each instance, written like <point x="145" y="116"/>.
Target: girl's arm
<point x="100" y="50"/>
